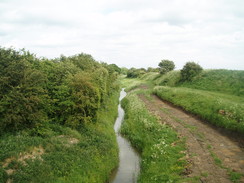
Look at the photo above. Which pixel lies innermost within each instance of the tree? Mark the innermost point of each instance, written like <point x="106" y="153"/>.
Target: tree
<point x="166" y="66"/>
<point x="22" y="91"/>
<point x="190" y="70"/>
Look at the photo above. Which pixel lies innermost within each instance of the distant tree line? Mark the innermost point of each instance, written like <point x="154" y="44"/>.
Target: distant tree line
<point x="190" y="70"/>
<point x="67" y="90"/>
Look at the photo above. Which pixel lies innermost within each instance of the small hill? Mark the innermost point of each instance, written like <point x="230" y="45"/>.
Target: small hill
<point x="223" y="81"/>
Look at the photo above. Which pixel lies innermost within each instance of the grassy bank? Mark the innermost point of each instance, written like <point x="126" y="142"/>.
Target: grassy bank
<point x="222" y="81"/>
<point x="130" y="84"/>
<point x="222" y="110"/>
<point x="62" y="154"/>
<point x="161" y="149"/>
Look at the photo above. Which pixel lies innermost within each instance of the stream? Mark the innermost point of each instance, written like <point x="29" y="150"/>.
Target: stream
<point x="129" y="159"/>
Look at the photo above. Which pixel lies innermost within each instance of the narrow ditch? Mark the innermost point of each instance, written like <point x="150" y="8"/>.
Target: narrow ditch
<point x="129" y="159"/>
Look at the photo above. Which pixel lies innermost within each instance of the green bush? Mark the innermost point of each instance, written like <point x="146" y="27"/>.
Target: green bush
<point x="22" y="91"/>
<point x="91" y="156"/>
<point x="66" y="90"/>
<point x="135" y="73"/>
<point x="190" y="70"/>
<point x="166" y="66"/>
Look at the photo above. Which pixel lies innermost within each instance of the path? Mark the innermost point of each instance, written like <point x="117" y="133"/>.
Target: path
<point x="210" y="154"/>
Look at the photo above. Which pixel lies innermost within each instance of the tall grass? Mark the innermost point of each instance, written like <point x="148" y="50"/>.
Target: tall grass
<point x="161" y="149"/>
<point x="85" y="155"/>
<point x="225" y="111"/>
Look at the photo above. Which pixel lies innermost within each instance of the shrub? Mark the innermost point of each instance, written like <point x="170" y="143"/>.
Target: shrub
<point x="166" y="66"/>
<point x="135" y="73"/>
<point x="190" y="70"/>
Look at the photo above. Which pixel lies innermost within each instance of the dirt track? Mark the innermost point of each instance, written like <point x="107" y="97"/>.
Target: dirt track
<point x="211" y="155"/>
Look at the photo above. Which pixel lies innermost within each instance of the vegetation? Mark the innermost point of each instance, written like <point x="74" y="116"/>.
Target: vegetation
<point x="63" y="154"/>
<point x="171" y="78"/>
<point x="217" y="80"/>
<point x="166" y="66"/>
<point x="190" y="70"/>
<point x="161" y="161"/>
<point x="135" y="73"/>
<point x="56" y="118"/>
<point x="221" y="110"/>
<point x="223" y="81"/>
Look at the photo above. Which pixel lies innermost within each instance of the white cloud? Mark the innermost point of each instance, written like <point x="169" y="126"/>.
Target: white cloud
<point x="131" y="33"/>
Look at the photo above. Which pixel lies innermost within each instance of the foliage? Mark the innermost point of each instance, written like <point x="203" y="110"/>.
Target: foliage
<point x="22" y="91"/>
<point x="65" y="90"/>
<point x="114" y="68"/>
<point x="135" y="73"/>
<point x="85" y="155"/>
<point x="40" y="99"/>
<point x="124" y="70"/>
<point x="161" y="162"/>
<point x="151" y="69"/>
<point x="222" y="110"/>
<point x="166" y="66"/>
<point x="86" y="100"/>
<point x="190" y="70"/>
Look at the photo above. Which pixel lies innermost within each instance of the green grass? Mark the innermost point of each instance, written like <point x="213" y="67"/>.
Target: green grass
<point x="169" y="79"/>
<point x="223" y="81"/>
<point x="90" y="159"/>
<point x="161" y="150"/>
<point x="219" y="80"/>
<point x="235" y="176"/>
<point x="222" y="110"/>
<point x="131" y="84"/>
<point x="150" y="76"/>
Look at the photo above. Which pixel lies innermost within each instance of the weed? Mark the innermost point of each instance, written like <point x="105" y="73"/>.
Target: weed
<point x="235" y="176"/>
<point x="204" y="174"/>
<point x="216" y="159"/>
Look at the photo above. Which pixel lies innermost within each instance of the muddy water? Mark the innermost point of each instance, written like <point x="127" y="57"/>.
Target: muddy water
<point x="129" y="165"/>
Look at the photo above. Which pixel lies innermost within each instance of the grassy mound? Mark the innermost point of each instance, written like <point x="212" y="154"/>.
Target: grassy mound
<point x="223" y="81"/>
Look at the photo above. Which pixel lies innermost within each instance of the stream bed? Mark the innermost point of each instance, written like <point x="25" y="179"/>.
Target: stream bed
<point x="129" y="159"/>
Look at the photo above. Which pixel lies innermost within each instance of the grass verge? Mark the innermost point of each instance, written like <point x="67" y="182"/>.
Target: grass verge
<point x="62" y="154"/>
<point x="221" y="110"/>
<point x="161" y="150"/>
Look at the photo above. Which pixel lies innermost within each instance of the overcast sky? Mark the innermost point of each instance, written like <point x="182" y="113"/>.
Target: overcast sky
<point x="130" y="33"/>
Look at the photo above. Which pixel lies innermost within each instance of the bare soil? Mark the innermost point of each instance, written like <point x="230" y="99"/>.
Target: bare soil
<point x="211" y="154"/>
